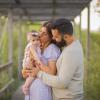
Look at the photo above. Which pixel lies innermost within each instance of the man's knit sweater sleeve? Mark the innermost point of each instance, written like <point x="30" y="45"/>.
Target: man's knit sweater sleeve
<point x="65" y="72"/>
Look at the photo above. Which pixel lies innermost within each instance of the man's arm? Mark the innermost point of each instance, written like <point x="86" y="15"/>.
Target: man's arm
<point x="65" y="74"/>
<point x="50" y="68"/>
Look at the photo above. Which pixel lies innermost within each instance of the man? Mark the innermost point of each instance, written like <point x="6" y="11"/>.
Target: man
<point x="68" y="83"/>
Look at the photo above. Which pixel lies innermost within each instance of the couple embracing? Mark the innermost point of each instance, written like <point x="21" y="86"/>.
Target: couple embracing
<point x="58" y="72"/>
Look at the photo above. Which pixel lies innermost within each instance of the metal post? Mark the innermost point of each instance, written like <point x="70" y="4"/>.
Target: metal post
<point x="19" y="49"/>
<point x="74" y="27"/>
<point x="80" y="32"/>
<point x="0" y="39"/>
<point x="10" y="40"/>
<point x="87" y="46"/>
<point x="0" y="25"/>
<point x="88" y="36"/>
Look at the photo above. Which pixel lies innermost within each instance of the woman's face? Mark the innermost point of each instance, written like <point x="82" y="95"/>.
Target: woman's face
<point x="44" y="37"/>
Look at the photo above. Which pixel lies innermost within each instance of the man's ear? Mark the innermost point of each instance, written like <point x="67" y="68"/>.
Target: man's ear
<point x="66" y="36"/>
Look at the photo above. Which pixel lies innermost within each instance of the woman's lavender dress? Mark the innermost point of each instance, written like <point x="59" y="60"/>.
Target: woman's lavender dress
<point x="38" y="89"/>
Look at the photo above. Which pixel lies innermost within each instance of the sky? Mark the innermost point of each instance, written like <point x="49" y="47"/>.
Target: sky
<point x="94" y="18"/>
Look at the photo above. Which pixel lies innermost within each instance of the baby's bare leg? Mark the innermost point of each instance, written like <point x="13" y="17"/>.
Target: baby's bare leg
<point x="27" y="84"/>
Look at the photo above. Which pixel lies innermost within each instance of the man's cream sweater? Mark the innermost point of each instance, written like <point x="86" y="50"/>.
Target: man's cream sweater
<point x="68" y="83"/>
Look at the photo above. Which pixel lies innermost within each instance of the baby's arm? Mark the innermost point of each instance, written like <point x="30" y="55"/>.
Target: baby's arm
<point x="27" y="84"/>
<point x="34" y="54"/>
<point x="26" y="60"/>
<point x="29" y="81"/>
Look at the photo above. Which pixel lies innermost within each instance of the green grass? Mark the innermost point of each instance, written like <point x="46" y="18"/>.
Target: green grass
<point x="3" y="49"/>
<point x="3" y="76"/>
<point x="92" y="69"/>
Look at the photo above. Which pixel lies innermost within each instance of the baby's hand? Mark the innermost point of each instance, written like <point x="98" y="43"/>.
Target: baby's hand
<point x="25" y="72"/>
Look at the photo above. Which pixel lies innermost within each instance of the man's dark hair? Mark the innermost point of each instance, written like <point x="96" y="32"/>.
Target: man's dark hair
<point x="63" y="25"/>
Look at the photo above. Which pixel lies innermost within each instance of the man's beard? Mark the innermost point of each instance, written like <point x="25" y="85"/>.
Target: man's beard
<point x="61" y="44"/>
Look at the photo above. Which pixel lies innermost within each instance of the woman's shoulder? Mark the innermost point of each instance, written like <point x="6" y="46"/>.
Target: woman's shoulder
<point x="52" y="52"/>
<point x="53" y="49"/>
<point x="53" y="46"/>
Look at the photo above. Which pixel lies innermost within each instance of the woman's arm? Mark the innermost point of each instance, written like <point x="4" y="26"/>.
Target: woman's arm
<point x="50" y="68"/>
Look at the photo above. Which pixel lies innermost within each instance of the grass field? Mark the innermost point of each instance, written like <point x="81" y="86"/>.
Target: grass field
<point x="92" y="69"/>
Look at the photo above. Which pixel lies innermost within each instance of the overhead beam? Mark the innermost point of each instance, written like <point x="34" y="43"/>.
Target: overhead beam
<point x="17" y="1"/>
<point x="38" y="12"/>
<point x="74" y="1"/>
<point x="42" y="5"/>
<point x="24" y="10"/>
<point x="42" y="18"/>
<point x="36" y="8"/>
<point x="59" y="1"/>
<point x="46" y="15"/>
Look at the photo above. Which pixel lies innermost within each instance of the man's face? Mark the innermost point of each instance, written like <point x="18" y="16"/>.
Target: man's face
<point x="56" y="35"/>
<point x="58" y="38"/>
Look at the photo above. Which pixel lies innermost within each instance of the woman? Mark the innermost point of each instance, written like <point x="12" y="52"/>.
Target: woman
<point x="67" y="84"/>
<point x="49" y="54"/>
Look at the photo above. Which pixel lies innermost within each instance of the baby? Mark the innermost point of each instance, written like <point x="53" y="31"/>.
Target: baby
<point x="31" y="56"/>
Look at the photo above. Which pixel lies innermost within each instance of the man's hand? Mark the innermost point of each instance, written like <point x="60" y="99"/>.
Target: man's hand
<point x="34" y="72"/>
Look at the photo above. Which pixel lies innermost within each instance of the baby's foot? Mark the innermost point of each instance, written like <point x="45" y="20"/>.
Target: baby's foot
<point x="25" y="90"/>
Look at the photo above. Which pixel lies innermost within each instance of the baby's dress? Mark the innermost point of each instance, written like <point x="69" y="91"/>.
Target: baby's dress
<point x="28" y="58"/>
<point x="38" y="89"/>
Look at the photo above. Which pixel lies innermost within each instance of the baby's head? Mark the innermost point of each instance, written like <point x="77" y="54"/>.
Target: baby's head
<point x="32" y="36"/>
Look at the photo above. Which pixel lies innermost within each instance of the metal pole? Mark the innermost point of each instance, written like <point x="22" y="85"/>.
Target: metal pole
<point x="88" y="36"/>
<point x="0" y="39"/>
<point x="87" y="46"/>
<point x="80" y="32"/>
<point x="0" y="26"/>
<point x="20" y="49"/>
<point x="74" y="25"/>
<point x="10" y="40"/>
